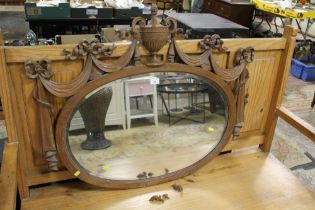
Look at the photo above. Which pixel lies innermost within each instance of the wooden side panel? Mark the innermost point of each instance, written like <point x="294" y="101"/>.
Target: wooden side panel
<point x="281" y="78"/>
<point x="8" y="177"/>
<point x="9" y="104"/>
<point x="262" y="76"/>
<point x="24" y="130"/>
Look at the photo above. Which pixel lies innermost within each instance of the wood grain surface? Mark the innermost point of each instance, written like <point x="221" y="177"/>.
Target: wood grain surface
<point x="244" y="181"/>
<point x="297" y="122"/>
<point x="8" y="177"/>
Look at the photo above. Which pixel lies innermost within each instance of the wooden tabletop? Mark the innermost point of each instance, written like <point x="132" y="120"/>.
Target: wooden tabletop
<point x="246" y="180"/>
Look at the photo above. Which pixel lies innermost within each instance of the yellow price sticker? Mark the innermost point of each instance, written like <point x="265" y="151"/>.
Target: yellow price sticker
<point x="77" y="173"/>
<point x="211" y="129"/>
<point x="105" y="168"/>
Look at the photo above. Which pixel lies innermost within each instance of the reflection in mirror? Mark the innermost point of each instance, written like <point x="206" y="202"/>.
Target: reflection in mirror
<point x="147" y="125"/>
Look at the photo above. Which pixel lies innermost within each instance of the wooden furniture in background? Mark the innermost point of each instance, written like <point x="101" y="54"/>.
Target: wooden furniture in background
<point x="196" y="25"/>
<point x="269" y="70"/>
<point x="238" y="11"/>
<point x="48" y="28"/>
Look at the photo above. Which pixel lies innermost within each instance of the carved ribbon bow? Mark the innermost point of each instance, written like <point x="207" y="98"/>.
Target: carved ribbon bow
<point x="84" y="48"/>
<point x="34" y="69"/>
<point x="211" y="42"/>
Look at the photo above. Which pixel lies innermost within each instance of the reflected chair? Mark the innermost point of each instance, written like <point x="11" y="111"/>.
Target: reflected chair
<point x="141" y="87"/>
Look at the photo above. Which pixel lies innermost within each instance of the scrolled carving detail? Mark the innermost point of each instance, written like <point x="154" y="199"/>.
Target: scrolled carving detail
<point x="171" y="23"/>
<point x="137" y="21"/>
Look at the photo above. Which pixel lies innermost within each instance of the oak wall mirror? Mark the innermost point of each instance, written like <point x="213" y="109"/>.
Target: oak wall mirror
<point x="141" y="129"/>
<point x="143" y="113"/>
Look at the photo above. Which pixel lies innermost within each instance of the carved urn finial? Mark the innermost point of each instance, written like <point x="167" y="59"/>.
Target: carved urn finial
<point x="154" y="35"/>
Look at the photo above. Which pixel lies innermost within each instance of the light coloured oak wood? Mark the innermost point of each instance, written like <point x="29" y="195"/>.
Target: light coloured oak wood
<point x="1" y="44"/>
<point x="8" y="177"/>
<point x="244" y="142"/>
<point x="297" y="122"/>
<point x="6" y="96"/>
<point x="1" y="115"/>
<point x="266" y="75"/>
<point x="39" y="178"/>
<point x="259" y="87"/>
<point x="281" y="81"/>
<point x="243" y="181"/>
<point x="1" y="38"/>
<point x="21" y="54"/>
<point x="9" y="102"/>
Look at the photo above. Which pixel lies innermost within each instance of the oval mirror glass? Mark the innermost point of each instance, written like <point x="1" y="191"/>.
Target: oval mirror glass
<point x="147" y="126"/>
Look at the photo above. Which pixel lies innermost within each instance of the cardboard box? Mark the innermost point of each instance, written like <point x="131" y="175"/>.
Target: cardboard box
<point x="74" y="39"/>
<point x="110" y="34"/>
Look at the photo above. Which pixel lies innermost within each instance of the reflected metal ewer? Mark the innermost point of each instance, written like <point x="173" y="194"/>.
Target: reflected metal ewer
<point x="154" y="36"/>
<point x="93" y="111"/>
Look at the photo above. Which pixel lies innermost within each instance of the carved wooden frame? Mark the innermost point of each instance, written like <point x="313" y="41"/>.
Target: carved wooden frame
<point x="97" y="72"/>
<point x="69" y="107"/>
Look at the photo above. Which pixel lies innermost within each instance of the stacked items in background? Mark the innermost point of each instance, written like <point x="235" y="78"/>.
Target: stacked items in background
<point x="303" y="61"/>
<point x="121" y="4"/>
<point x="61" y="9"/>
<point x="118" y="4"/>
